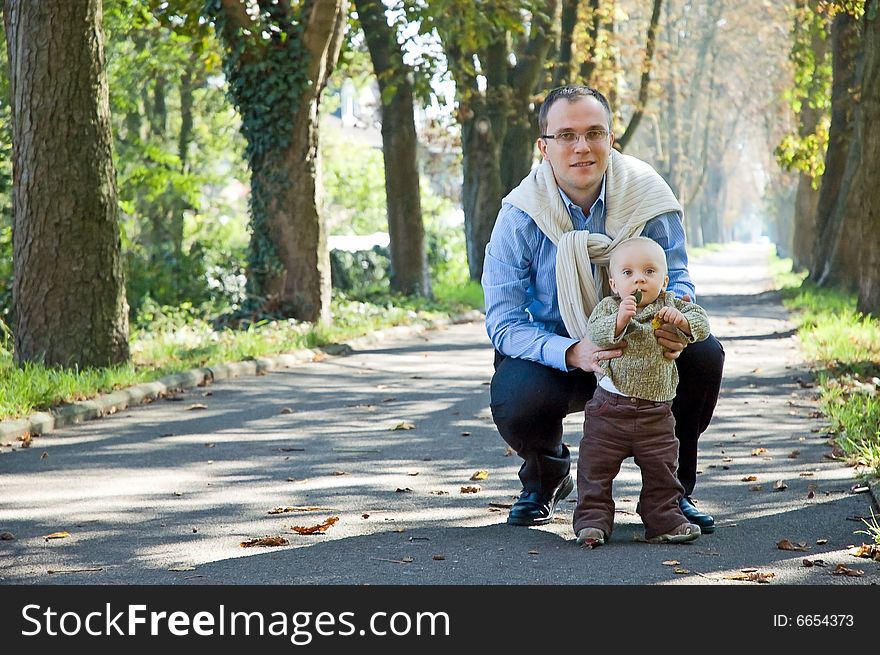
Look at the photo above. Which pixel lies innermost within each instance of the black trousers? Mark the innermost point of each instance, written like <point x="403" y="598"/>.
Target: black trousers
<point x="529" y="402"/>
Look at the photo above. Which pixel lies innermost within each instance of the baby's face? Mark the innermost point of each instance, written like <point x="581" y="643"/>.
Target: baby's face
<point x="638" y="266"/>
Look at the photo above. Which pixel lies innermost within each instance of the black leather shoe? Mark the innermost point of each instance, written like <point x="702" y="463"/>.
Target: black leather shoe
<point x="695" y="516"/>
<point x="536" y="507"/>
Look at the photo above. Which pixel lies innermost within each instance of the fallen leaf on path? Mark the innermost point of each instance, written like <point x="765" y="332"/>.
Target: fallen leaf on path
<point x="780" y="485"/>
<point x="758" y="451"/>
<point x="44" y="456"/>
<point x="286" y="410"/>
<point x="291" y="450"/>
<point x="671" y="562"/>
<point x="25" y="440"/>
<point x="754" y="576"/>
<point x="209" y="445"/>
<point x="389" y="399"/>
<point x="56" y="535"/>
<point x="197" y="406"/>
<point x="438" y="492"/>
<point x="412" y="473"/>
<point x="471" y="489"/>
<point x="534" y="552"/>
<point x="438" y="558"/>
<point x="365" y="516"/>
<point x="316" y="529"/>
<point x="871" y="551"/>
<point x="7" y="536"/>
<point x="297" y="508"/>
<point x="482" y="474"/>
<point x="794" y="454"/>
<point x="680" y="571"/>
<point x="749" y="478"/>
<point x="814" y="562"/>
<point x="509" y="451"/>
<point x="182" y="568"/>
<point x="404" y="490"/>
<point x="785" y="544"/>
<point x="821" y="542"/>
<point x="265" y="541"/>
<point x="727" y="459"/>
<point x="465" y="434"/>
<point x="404" y="425"/>
<point x="501" y="505"/>
<point x="840" y="569"/>
<point x="811" y="494"/>
<point x="339" y="473"/>
<point x="805" y="474"/>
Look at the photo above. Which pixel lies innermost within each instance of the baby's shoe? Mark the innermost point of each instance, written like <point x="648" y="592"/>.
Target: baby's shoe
<point x="683" y="533"/>
<point x="590" y="537"/>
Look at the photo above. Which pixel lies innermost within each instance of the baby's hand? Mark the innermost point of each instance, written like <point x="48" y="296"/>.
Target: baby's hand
<point x="674" y="317"/>
<point x="627" y="309"/>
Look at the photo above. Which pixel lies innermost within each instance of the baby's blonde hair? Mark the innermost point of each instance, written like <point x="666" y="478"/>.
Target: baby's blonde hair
<point x="640" y="241"/>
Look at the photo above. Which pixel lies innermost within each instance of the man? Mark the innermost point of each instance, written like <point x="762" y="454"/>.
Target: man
<point x="562" y="223"/>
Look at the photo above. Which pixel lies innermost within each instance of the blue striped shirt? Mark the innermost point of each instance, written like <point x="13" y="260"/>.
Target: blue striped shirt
<point x="519" y="279"/>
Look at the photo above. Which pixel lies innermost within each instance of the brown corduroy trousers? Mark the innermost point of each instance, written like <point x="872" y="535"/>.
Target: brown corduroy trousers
<point x="617" y="427"/>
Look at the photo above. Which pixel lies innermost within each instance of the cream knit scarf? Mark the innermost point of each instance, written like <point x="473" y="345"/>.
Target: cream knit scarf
<point x="634" y="194"/>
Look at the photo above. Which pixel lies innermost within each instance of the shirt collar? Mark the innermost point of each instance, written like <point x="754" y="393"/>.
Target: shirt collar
<point x="596" y="206"/>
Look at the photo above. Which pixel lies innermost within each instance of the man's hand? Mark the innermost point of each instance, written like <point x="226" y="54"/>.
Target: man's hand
<point x="586" y="355"/>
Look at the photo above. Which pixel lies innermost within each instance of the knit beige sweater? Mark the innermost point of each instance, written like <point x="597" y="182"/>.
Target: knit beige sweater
<point x="642" y="371"/>
<point x="634" y="194"/>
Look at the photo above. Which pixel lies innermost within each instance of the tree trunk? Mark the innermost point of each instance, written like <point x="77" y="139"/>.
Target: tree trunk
<point x="562" y="70"/>
<point x="68" y="289"/>
<point x="518" y="149"/>
<point x="409" y="263"/>
<point x="277" y="87"/>
<point x="865" y="185"/>
<point x="845" y="44"/>
<point x="853" y="213"/>
<point x="481" y="191"/>
<point x="588" y="65"/>
<point x="807" y="198"/>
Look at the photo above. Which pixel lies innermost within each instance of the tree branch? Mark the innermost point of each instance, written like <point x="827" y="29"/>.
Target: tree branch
<point x="646" y="78"/>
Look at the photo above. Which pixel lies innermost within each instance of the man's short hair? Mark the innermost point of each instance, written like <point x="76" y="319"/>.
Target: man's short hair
<point x="571" y="93"/>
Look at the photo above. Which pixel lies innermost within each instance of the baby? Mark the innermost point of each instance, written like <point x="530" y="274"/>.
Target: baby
<point x="630" y="413"/>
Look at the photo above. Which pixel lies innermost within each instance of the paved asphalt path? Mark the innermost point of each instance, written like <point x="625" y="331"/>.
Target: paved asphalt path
<point x="165" y="493"/>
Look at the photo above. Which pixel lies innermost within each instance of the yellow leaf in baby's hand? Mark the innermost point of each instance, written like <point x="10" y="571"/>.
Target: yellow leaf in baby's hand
<point x="656" y="323"/>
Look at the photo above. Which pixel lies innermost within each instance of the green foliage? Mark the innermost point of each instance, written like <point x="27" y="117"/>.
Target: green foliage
<point x="176" y="150"/>
<point x="845" y="347"/>
<point x="801" y="150"/>
<point x="354" y="184"/>
<point x="872" y="528"/>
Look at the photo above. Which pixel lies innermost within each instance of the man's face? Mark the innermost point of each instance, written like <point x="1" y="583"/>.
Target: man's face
<point x="638" y="266"/>
<point x="579" y="167"/>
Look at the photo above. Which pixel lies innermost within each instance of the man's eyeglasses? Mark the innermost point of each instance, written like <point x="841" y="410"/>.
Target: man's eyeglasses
<point x="569" y="138"/>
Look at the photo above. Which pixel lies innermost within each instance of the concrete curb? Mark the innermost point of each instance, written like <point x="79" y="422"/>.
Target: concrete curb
<point x="110" y="403"/>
